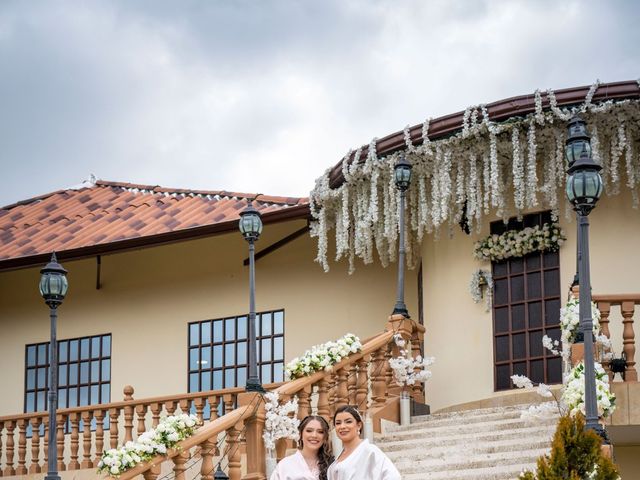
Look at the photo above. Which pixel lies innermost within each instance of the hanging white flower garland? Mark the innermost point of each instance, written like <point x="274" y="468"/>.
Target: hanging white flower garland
<point x="485" y="167"/>
<point x="518" y="243"/>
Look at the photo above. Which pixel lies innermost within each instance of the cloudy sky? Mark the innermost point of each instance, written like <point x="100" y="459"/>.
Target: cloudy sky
<point x="264" y="95"/>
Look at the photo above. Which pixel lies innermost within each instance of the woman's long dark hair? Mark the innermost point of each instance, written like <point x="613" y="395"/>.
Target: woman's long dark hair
<point x="325" y="457"/>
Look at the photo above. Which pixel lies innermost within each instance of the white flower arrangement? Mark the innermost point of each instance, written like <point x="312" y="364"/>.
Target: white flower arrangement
<point x="570" y="320"/>
<point x="407" y="370"/>
<point x="517" y="243"/>
<point x="156" y="441"/>
<point x="481" y="279"/>
<point x="322" y="357"/>
<point x="573" y="394"/>
<point x="280" y="420"/>
<point x="497" y="166"/>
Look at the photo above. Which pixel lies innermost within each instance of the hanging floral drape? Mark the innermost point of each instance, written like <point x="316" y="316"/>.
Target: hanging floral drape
<point x="486" y="168"/>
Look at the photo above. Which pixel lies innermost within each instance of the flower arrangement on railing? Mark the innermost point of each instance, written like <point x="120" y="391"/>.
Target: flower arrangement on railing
<point x="481" y="279"/>
<point x="407" y="370"/>
<point x="280" y="420"/>
<point x="485" y="168"/>
<point x="156" y="441"/>
<point x="570" y="320"/>
<point x="518" y="243"/>
<point x="573" y="394"/>
<point x="322" y="357"/>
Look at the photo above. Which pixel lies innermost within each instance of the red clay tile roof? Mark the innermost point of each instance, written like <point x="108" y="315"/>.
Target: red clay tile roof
<point x="112" y="216"/>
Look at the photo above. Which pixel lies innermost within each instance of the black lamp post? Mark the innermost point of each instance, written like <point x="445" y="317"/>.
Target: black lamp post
<point x="584" y="187"/>
<point x="578" y="142"/>
<point x="219" y="474"/>
<point x="53" y="288"/>
<point x="251" y="228"/>
<point x="402" y="177"/>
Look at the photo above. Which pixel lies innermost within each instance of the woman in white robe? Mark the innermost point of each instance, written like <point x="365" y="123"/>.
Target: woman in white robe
<point x="313" y="457"/>
<point x="359" y="460"/>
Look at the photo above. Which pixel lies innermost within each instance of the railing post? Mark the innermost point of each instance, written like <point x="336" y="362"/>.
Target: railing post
<point x="99" y="416"/>
<point x="378" y="384"/>
<point x="75" y="440"/>
<point x="179" y="465"/>
<point x="22" y="447"/>
<point x="362" y="384"/>
<point x="156" y="408"/>
<point x="304" y="403"/>
<point x="352" y="381"/>
<point x="61" y="421"/>
<point x="35" y="444"/>
<point x="323" y="400"/>
<point x="141" y="412"/>
<point x="114" y="414"/>
<point x="86" y="440"/>
<point x="128" y="413"/>
<point x="253" y="435"/>
<point x="9" y="470"/>
<point x="342" y="393"/>
<point x="628" y="341"/>
<point x="233" y="451"/>
<point x="206" y="453"/>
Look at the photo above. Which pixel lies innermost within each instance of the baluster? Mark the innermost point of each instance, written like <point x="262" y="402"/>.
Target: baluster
<point x="605" y="310"/>
<point x="9" y="470"/>
<point x="75" y="440"/>
<point x="170" y="406"/>
<point x="35" y="444"/>
<point x="206" y="453"/>
<point x="416" y="342"/>
<point x="179" y="465"/>
<point x="233" y="451"/>
<point x="392" y="387"/>
<point x="141" y="411"/>
<point x="156" y="408"/>
<point x="86" y="440"/>
<point x="199" y="404"/>
<point x="362" y="385"/>
<point x="45" y="422"/>
<point x="114" y="415"/>
<point x="61" y="420"/>
<point x="228" y="402"/>
<point x="352" y="381"/>
<point x="152" y="473"/>
<point x="99" y="416"/>
<point x="628" y="341"/>
<point x="304" y="403"/>
<point x="342" y="393"/>
<point x="378" y="375"/>
<point x="214" y="403"/>
<point x="323" y="400"/>
<point x="22" y="447"/>
<point x="128" y="414"/>
<point x="185" y="403"/>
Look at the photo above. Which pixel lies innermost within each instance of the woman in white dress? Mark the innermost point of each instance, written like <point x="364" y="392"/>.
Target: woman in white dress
<point x="359" y="460"/>
<point x="313" y="457"/>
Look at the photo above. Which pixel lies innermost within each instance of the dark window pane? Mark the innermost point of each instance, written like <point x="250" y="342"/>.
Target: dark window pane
<point x="500" y="269"/>
<point x="229" y="377"/>
<point x="84" y="372"/>
<point x="73" y="350"/>
<point x="242" y="353"/>
<point x="106" y="346"/>
<point x="535" y="315"/>
<point x="217" y="331"/>
<point x="266" y="374"/>
<point x="278" y="323"/>
<point x="517" y="288"/>
<point x="516" y="265"/>
<point x="533" y="261"/>
<point x="194" y="386"/>
<point x="84" y="349"/>
<point x="552" y="283"/>
<point x="62" y="398"/>
<point x="31" y="355"/>
<point x="265" y="348"/>
<point x="95" y="394"/>
<point x="503" y="377"/>
<point x="31" y="378"/>
<point x="535" y="344"/>
<point x="520" y="368"/>
<point x="95" y="371"/>
<point x="278" y="372"/>
<point x="105" y="393"/>
<point x="73" y="374"/>
<point x="205" y="332"/>
<point x="194" y="334"/>
<point x="537" y="371"/>
<point x="534" y="289"/>
<point x="42" y="377"/>
<point x="229" y="354"/>
<point x="193" y="359"/>
<point x="63" y="351"/>
<point x="501" y="295"/>
<point x="519" y="346"/>
<point x="501" y="319"/>
<point x="73" y="397"/>
<point x="217" y="380"/>
<point x="62" y="375"/>
<point x="266" y="324"/>
<point x="551" y="259"/>
<point x="517" y="317"/>
<point x="84" y="396"/>
<point x="242" y="328"/>
<point x="106" y="370"/>
<point x="242" y="377"/>
<point x="217" y="356"/>
<point x="552" y="312"/>
<point x="278" y="348"/>
<point x="205" y="358"/>
<point x="95" y="347"/>
<point x="502" y="348"/>
<point x="31" y="402"/>
<point x="205" y="381"/>
<point x="554" y="370"/>
<point x="41" y="398"/>
<point x="43" y="358"/>
<point x="230" y="329"/>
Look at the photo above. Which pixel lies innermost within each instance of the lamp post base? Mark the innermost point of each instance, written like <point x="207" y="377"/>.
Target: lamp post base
<point x="400" y="309"/>
<point x="52" y="476"/>
<point x="254" y="385"/>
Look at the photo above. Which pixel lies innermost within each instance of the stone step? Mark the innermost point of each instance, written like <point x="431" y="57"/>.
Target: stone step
<point x="497" y="472"/>
<point x="437" y="420"/>
<point x="441" y="450"/>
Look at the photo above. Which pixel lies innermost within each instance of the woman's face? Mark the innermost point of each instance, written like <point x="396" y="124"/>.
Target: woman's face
<point x="347" y="427"/>
<point x="313" y="435"/>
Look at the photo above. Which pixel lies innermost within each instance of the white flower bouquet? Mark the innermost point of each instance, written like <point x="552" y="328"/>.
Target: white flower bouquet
<point x="407" y="370"/>
<point x="167" y="434"/>
<point x="517" y="243"/>
<point x="573" y="395"/>
<point x="322" y="357"/>
<point x="570" y="320"/>
<point x="280" y="420"/>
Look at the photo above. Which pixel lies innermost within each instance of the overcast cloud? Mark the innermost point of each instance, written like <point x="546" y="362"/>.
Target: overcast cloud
<point x="263" y="96"/>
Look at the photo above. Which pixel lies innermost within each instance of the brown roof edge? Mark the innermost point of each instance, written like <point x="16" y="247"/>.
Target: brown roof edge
<point x="498" y="111"/>
<point x="282" y="215"/>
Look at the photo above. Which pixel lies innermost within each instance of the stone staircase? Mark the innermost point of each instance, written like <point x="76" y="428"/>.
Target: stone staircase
<point x="483" y="444"/>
